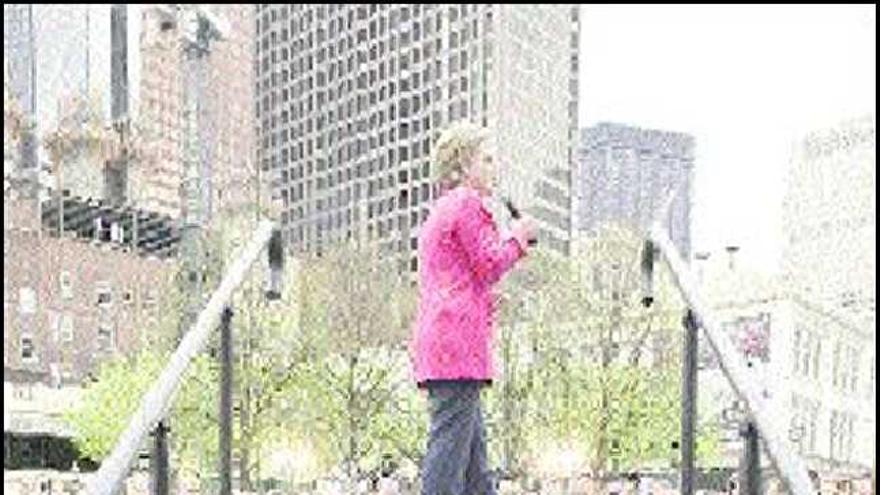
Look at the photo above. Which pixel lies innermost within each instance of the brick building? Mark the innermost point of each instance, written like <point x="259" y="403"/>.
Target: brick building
<point x="227" y="123"/>
<point x="69" y="302"/>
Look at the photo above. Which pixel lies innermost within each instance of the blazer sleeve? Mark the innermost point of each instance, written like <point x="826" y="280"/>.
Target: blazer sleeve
<point x="490" y="257"/>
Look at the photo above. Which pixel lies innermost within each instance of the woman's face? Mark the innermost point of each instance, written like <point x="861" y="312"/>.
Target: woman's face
<point x="483" y="173"/>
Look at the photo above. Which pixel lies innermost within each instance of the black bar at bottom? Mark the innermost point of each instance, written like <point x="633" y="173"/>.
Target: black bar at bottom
<point x="750" y="474"/>
<point x="160" y="459"/>
<point x="688" y="402"/>
<point x="226" y="403"/>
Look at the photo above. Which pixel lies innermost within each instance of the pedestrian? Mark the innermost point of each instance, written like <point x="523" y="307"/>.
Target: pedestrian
<point x="462" y="256"/>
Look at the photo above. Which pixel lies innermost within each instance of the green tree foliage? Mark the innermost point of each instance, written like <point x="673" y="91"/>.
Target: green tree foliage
<point x="110" y="400"/>
<point x="356" y="398"/>
<point x="583" y="363"/>
<point x="119" y="386"/>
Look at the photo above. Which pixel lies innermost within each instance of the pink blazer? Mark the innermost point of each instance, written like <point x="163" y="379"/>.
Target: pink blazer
<point x="461" y="256"/>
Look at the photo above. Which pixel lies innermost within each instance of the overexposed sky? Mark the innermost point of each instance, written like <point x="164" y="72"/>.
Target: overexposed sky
<point x="745" y="81"/>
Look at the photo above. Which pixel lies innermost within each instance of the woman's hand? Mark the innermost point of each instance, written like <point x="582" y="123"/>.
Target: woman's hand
<point x="525" y="229"/>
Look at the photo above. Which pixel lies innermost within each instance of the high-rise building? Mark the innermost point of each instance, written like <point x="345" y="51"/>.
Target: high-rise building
<point x="829" y="214"/>
<point x="18" y="53"/>
<point x="162" y="106"/>
<point x="350" y="98"/>
<point x="59" y="53"/>
<point x="60" y="57"/>
<point x="229" y="106"/>
<point x="49" y="54"/>
<point x="624" y="175"/>
<point x="226" y="117"/>
<point x="125" y="61"/>
<point x="828" y="261"/>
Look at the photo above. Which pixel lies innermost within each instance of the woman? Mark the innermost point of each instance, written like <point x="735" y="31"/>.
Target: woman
<point x="461" y="256"/>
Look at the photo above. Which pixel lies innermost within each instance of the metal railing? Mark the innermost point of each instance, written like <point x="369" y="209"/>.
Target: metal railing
<point x="763" y="422"/>
<point x="156" y="402"/>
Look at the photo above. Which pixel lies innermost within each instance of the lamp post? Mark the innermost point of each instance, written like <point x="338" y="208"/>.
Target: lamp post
<point x="735" y="416"/>
<point x="198" y="29"/>
<point x="750" y="474"/>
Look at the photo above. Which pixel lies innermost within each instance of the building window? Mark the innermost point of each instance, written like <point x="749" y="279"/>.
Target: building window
<point x="65" y="323"/>
<point x="807" y="411"/>
<point x="853" y="369"/>
<point x="28" y="352"/>
<point x="838" y="432"/>
<point x="840" y="436"/>
<point x="814" y="426"/>
<point x="27" y="300"/>
<point x="104" y="295"/>
<point x="105" y="338"/>
<point x="806" y="354"/>
<point x="23" y="391"/>
<point x="66" y="283"/>
<point x="835" y="365"/>
<point x="149" y="301"/>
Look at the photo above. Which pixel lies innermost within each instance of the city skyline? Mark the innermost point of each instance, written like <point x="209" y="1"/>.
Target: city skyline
<point x="726" y="171"/>
<point x="350" y="100"/>
<point x="317" y="122"/>
<point x="747" y="100"/>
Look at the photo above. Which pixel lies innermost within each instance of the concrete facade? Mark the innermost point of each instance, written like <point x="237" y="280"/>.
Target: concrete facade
<point x="829" y="218"/>
<point x="624" y="174"/>
<point x="816" y="363"/>
<point x="350" y="97"/>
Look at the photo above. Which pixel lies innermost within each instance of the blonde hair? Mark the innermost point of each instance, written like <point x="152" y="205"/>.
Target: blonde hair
<point x="453" y="153"/>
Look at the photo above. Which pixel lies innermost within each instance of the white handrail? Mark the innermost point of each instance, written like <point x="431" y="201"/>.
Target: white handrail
<point x="790" y="466"/>
<point x="110" y="476"/>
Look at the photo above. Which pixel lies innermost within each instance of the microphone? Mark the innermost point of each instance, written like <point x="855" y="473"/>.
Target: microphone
<point x="514" y="212"/>
<point x="648" y="273"/>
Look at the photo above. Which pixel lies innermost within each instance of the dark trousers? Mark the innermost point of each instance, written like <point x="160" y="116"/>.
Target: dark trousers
<point x="456" y="461"/>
